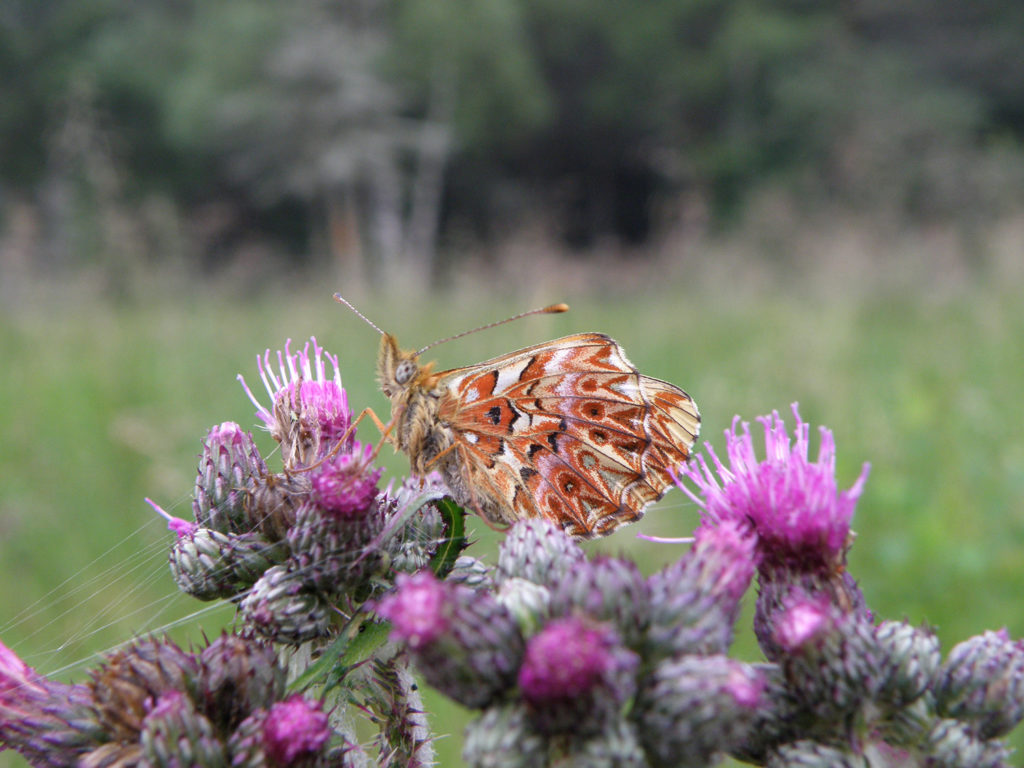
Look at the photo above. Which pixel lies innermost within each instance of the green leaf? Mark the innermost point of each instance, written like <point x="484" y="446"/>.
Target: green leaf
<point x="455" y="521"/>
<point x="357" y="642"/>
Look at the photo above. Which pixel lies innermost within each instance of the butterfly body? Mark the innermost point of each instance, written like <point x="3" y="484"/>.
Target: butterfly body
<point x="568" y="430"/>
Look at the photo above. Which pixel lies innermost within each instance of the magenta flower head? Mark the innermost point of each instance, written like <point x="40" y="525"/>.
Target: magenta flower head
<point x="801" y="518"/>
<point x="309" y="411"/>
<point x="419" y="611"/>
<point x="346" y="485"/>
<point x="575" y="676"/>
<point x="295" y="728"/>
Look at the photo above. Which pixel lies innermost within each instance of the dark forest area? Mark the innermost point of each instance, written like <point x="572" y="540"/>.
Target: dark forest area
<point x="397" y="137"/>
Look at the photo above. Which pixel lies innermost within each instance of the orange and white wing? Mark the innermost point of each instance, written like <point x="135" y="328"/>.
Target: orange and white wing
<point x="568" y="430"/>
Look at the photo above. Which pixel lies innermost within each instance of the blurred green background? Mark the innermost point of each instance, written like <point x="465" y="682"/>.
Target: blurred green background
<point x="763" y="202"/>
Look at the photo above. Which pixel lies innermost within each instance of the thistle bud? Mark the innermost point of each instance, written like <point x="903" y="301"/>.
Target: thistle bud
<point x="693" y="707"/>
<point x="238" y="675"/>
<point x="811" y="754"/>
<point x="539" y="551"/>
<point x="465" y="643"/>
<point x="332" y="553"/>
<point x="695" y="601"/>
<point x="209" y="564"/>
<point x="282" y="608"/>
<point x="606" y="589"/>
<point x="830" y="659"/>
<point x="527" y="602"/>
<point x="135" y="675"/>
<point x="175" y="734"/>
<point x="471" y="572"/>
<point x="502" y="737"/>
<point x="617" y="746"/>
<point x="47" y="722"/>
<point x="951" y="744"/>
<point x="910" y="660"/>
<point x="982" y="683"/>
<point x="228" y="468"/>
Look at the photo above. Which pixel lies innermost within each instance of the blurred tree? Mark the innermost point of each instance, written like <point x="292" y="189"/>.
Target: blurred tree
<point x="370" y="125"/>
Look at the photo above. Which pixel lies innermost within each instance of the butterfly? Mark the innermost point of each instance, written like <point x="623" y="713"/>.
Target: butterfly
<point x="567" y="430"/>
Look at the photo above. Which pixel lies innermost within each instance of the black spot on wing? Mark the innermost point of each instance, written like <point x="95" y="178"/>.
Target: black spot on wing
<point x="494" y="414"/>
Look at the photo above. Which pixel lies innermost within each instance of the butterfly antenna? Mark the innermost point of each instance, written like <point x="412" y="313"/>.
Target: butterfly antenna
<point x="342" y="300"/>
<point x="550" y="310"/>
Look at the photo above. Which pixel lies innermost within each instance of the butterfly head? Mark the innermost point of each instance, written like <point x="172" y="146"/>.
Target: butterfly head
<point x="399" y="370"/>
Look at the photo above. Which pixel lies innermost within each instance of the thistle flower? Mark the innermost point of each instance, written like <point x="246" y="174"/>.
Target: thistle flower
<point x="295" y="728"/>
<point x="576" y="676"/>
<point x="464" y="642"/>
<point x="801" y="519"/>
<point x="309" y="410"/>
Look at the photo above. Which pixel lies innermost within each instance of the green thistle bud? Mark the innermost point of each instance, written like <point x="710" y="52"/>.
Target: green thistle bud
<point x="527" y="602"/>
<point x="228" y="468"/>
<point x="208" y="564"/>
<point x="811" y="754"/>
<point x="412" y="546"/>
<point x="693" y="707"/>
<point x="538" y="551"/>
<point x="335" y="554"/>
<point x="276" y="500"/>
<point x="831" y="659"/>
<point x="134" y="675"/>
<point x="282" y="608"/>
<point x="237" y="676"/>
<point x="503" y="738"/>
<point x="776" y="721"/>
<point x="471" y="572"/>
<point x="910" y="660"/>
<point x="607" y="589"/>
<point x="982" y="682"/>
<point x="952" y="745"/>
<point x="618" y="746"/>
<point x="114" y="755"/>
<point x="174" y="734"/>
<point x="694" y="601"/>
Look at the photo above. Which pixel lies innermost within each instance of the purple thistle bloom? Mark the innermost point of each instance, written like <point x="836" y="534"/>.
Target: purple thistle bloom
<point x="575" y="677"/>
<point x="347" y="483"/>
<point x="295" y="729"/>
<point x="419" y="611"/>
<point x="309" y="411"/>
<point x="792" y="502"/>
<point x="565" y="660"/>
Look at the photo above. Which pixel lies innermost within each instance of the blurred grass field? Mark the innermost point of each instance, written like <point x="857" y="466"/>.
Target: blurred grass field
<point x="104" y="405"/>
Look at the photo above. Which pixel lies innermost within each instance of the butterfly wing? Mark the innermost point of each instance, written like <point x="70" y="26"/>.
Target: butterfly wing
<point x="568" y="430"/>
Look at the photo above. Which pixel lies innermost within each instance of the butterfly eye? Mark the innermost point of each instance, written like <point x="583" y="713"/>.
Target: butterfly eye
<point x="405" y="371"/>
